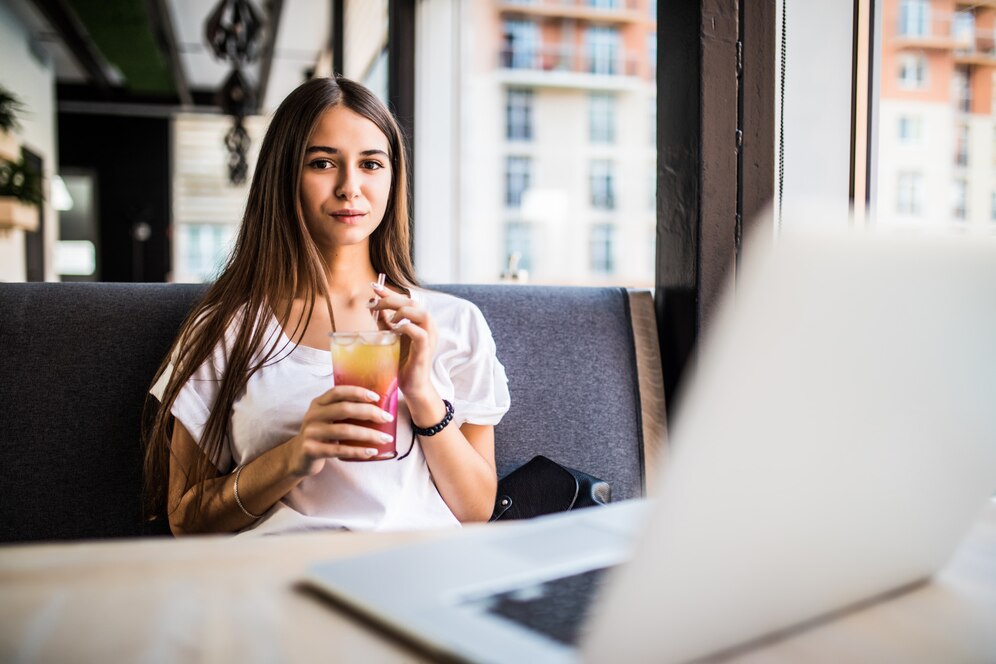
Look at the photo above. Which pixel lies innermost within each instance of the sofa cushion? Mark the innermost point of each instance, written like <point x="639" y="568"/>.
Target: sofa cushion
<point x="568" y="353"/>
<point x="78" y="362"/>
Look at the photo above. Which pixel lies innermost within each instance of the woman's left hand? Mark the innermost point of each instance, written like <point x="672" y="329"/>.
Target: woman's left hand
<point x="418" y="341"/>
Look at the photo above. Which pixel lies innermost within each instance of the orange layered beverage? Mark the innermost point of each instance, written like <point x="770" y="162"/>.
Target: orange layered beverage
<point x="370" y="360"/>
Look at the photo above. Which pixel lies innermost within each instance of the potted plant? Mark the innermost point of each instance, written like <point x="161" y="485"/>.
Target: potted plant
<point x="10" y="107"/>
<point x="20" y="196"/>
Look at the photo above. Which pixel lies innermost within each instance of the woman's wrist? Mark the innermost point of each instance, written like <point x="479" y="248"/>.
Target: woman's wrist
<point x="426" y="409"/>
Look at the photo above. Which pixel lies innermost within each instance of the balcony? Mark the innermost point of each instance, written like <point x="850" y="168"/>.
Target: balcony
<point x="938" y="34"/>
<point x="569" y="67"/>
<point x="980" y="51"/>
<point x="620" y="11"/>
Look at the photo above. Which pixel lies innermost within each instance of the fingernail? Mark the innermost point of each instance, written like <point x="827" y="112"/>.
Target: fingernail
<point x="386" y="437"/>
<point x="401" y="323"/>
<point x="386" y="416"/>
<point x="373" y="396"/>
<point x="370" y="451"/>
<point x="371" y="303"/>
<point x="376" y="286"/>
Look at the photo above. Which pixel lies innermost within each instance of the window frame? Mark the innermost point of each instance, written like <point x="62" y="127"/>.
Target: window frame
<point x="601" y="183"/>
<point x="523" y="110"/>
<point x="601" y="118"/>
<point x="521" y="175"/>
<point x="601" y="248"/>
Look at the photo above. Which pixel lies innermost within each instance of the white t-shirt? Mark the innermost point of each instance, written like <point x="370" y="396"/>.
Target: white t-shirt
<point x="380" y="495"/>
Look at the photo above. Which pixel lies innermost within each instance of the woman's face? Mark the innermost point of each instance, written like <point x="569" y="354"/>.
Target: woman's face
<point x="345" y="180"/>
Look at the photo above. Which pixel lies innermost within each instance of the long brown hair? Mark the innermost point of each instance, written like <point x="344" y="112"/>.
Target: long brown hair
<point x="274" y="261"/>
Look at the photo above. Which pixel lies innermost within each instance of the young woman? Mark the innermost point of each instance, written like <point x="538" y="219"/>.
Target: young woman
<point x="246" y="438"/>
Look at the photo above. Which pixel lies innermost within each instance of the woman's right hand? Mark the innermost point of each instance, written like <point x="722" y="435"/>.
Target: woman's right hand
<point x="323" y="428"/>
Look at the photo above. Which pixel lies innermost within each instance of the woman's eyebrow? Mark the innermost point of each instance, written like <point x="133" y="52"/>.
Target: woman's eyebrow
<point x="329" y="150"/>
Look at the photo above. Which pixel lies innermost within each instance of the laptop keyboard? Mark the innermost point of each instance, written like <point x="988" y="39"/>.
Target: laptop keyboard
<point x="557" y="608"/>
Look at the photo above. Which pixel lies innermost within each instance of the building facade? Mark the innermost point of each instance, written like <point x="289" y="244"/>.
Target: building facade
<point x="937" y="126"/>
<point x="558" y="143"/>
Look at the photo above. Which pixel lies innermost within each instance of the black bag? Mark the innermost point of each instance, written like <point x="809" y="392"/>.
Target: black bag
<point x="542" y="486"/>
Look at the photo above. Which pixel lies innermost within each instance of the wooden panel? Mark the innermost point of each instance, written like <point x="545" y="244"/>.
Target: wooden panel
<point x="697" y="172"/>
<point x="679" y="123"/>
<point x="757" y="92"/>
<point x="719" y="33"/>
<point x="651" y="380"/>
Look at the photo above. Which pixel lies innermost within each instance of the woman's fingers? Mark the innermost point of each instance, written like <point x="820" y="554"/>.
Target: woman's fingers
<point x="323" y="432"/>
<point x="341" y="393"/>
<point x="393" y="302"/>
<point x="325" y="450"/>
<point x="414" y="332"/>
<point x="350" y="410"/>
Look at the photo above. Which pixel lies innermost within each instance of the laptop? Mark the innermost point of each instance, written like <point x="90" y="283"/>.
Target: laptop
<point x="834" y="444"/>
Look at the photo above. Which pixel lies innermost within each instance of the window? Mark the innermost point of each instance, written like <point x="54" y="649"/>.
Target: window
<point x="961" y="145"/>
<point x="202" y="249"/>
<point x="910" y="198"/>
<point x="518" y="248"/>
<point x="914" y="18"/>
<point x="935" y="149"/>
<point x="604" y="4"/>
<point x="602" y="195"/>
<point x="601" y="47"/>
<point x="602" y="236"/>
<point x="992" y="206"/>
<point x="963" y="29"/>
<point x="520" y="106"/>
<point x="522" y="43"/>
<point x="519" y="115"/>
<point x="910" y="129"/>
<point x="517" y="171"/>
<point x="912" y="70"/>
<point x="961" y="91"/>
<point x="601" y="117"/>
<point x="207" y="209"/>
<point x="959" y="199"/>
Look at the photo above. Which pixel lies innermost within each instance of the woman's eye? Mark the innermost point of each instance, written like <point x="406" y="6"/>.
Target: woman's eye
<point x="371" y="165"/>
<point x="320" y="164"/>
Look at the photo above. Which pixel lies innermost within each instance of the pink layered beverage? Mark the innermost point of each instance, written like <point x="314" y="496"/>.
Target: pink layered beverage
<point x="370" y="360"/>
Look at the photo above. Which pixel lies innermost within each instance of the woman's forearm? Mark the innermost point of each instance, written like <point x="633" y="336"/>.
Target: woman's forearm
<point x="262" y="482"/>
<point x="466" y="482"/>
<point x="461" y="460"/>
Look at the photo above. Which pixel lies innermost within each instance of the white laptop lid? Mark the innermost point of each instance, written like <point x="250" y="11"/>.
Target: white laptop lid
<point x="835" y="443"/>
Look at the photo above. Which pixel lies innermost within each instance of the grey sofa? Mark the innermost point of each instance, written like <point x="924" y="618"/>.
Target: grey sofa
<point x="582" y="364"/>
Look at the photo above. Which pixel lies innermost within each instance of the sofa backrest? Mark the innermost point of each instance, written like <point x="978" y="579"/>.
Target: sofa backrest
<point x="79" y="358"/>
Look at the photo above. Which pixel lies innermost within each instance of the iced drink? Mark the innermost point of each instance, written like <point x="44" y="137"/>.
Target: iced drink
<point x="370" y="360"/>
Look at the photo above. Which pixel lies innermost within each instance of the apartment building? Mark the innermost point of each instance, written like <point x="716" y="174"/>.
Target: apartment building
<point x="559" y="144"/>
<point x="937" y="123"/>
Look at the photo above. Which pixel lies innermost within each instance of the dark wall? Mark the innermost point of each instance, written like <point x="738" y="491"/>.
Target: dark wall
<point x="131" y="158"/>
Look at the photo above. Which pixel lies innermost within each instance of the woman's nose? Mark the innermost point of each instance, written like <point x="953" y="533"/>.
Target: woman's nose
<point x="347" y="187"/>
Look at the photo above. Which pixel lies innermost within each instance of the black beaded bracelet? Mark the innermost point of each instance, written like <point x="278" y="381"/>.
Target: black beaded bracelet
<point x="436" y="428"/>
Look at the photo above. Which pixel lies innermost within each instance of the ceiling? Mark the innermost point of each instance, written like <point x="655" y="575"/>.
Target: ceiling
<point x="152" y="54"/>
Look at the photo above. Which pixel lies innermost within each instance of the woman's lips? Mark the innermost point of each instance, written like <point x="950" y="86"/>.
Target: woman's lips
<point x="348" y="216"/>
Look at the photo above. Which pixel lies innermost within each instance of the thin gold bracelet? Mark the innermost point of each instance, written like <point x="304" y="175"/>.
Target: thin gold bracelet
<point x="238" y="501"/>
